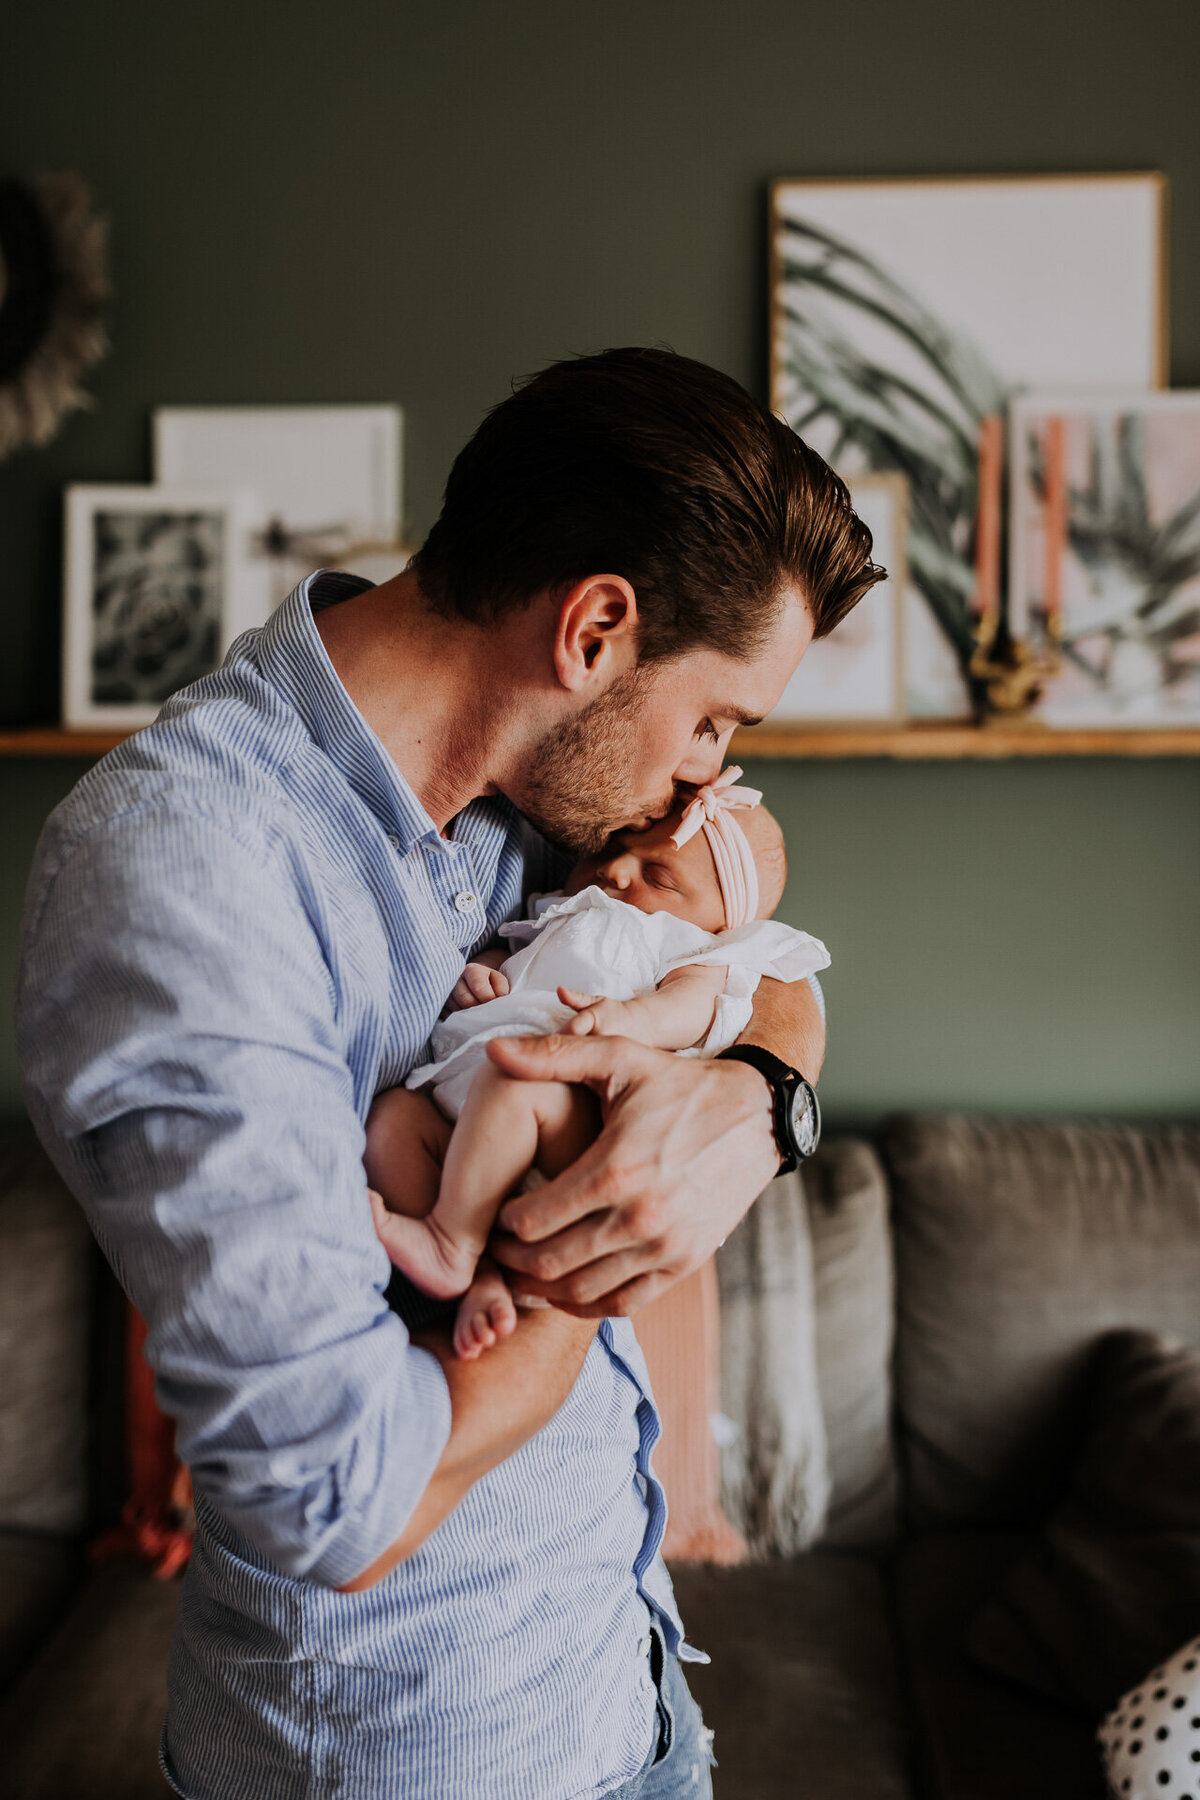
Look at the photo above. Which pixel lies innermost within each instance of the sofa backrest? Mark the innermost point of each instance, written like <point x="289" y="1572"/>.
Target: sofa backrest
<point x="1017" y="1246"/>
<point x="47" y="1315"/>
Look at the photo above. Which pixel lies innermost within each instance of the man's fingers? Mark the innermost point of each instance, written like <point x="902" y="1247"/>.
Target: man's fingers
<point x="556" y="1256"/>
<point x="605" y="1064"/>
<point x="586" y="1188"/>
<point x="500" y="983"/>
<point x="616" y="1302"/>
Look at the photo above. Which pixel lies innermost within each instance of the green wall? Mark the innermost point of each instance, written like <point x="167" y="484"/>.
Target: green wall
<point x="414" y="202"/>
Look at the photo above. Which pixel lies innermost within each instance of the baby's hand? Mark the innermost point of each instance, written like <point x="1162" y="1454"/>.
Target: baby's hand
<point x="476" y="984"/>
<point x="593" y="1013"/>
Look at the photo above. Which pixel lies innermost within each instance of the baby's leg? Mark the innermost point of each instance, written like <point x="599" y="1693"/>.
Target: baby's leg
<point x="568" y="1120"/>
<point x="504" y="1128"/>
<point x="406" y="1147"/>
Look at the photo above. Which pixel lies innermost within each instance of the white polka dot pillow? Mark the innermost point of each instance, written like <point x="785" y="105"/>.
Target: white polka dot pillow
<point x="1150" y="1740"/>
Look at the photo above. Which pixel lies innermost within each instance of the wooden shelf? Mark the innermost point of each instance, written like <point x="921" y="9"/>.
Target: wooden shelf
<point x="52" y="740"/>
<point x="909" y="743"/>
<point x="938" y="742"/>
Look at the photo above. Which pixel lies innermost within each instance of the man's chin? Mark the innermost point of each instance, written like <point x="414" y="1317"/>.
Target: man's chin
<point x="587" y="837"/>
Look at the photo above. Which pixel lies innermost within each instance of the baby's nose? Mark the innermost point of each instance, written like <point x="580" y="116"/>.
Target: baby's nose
<point x="618" y="870"/>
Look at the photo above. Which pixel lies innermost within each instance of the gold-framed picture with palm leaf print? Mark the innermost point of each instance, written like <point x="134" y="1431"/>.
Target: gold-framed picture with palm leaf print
<point x="907" y="314"/>
<point x="1105" y="554"/>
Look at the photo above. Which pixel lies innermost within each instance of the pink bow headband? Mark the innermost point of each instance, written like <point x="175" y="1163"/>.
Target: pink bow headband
<point x="712" y="812"/>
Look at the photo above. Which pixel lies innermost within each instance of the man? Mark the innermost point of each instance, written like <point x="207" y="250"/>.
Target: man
<point x="414" y="1576"/>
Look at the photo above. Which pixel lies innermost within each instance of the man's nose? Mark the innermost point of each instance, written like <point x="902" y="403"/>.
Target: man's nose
<point x="703" y="761"/>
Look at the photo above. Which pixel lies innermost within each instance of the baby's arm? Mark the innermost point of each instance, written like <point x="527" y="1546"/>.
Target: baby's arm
<point x="674" y="1017"/>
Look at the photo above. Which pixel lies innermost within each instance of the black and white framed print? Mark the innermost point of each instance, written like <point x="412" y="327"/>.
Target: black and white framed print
<point x="155" y="593"/>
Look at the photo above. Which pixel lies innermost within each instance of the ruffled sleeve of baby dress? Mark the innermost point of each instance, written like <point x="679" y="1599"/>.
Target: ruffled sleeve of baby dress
<point x="763" y="947"/>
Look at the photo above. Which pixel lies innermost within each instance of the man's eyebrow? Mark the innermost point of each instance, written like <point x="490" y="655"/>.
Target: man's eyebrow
<point x="741" y="717"/>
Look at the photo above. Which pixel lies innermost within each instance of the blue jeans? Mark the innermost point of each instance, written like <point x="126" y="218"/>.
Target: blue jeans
<point x="678" y="1765"/>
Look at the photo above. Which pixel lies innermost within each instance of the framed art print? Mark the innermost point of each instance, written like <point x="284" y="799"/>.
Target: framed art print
<point x="156" y="590"/>
<point x="329" y="477"/>
<point x="856" y="675"/>
<point x="905" y="316"/>
<point x="1105" y="554"/>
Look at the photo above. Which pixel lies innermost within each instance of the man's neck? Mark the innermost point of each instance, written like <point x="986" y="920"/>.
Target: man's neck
<point x="423" y="686"/>
<point x="427" y="687"/>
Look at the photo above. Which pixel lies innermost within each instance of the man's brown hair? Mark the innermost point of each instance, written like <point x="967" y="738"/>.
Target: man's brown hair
<point x="645" y="464"/>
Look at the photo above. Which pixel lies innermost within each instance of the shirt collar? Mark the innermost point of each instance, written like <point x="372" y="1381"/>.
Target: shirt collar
<point x="294" y="660"/>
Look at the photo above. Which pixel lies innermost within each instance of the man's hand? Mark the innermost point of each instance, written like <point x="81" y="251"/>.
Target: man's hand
<point x="685" y="1148"/>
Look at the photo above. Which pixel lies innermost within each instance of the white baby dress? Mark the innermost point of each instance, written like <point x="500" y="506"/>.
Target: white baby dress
<point x="598" y="945"/>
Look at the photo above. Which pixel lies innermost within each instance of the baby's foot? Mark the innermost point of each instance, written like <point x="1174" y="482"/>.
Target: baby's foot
<point x="424" y="1250"/>
<point x="485" y="1317"/>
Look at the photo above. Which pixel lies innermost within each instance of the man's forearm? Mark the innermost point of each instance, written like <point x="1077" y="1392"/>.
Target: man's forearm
<point x="496" y="1404"/>
<point x="787" y="1020"/>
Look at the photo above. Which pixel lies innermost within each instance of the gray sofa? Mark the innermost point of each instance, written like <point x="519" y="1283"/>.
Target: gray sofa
<point x="964" y="1270"/>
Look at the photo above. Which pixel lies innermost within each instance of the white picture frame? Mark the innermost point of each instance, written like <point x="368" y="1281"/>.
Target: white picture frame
<point x="855" y="676"/>
<point x="155" y="591"/>
<point x="1104" y="554"/>
<point x="329" y="477"/>
<point x="906" y="311"/>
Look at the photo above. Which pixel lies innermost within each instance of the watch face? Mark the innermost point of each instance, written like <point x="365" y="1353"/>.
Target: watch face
<point x="805" y="1119"/>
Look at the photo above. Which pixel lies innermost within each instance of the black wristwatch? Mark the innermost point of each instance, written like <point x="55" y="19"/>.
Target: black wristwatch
<point x="797" y="1116"/>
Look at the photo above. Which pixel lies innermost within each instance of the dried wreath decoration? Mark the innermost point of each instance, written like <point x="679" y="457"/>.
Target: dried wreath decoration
<point x="53" y="289"/>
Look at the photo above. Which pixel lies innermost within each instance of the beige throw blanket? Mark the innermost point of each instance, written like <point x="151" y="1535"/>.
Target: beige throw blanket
<point x="742" y="1359"/>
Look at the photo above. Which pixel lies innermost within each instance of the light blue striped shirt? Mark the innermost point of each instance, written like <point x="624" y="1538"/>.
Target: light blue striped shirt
<point x="240" y="925"/>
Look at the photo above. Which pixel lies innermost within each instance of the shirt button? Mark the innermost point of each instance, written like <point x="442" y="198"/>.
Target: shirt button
<point x="393" y="840"/>
<point x="464" y="903"/>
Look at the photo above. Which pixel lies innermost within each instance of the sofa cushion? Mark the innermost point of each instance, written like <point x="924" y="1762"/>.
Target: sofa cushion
<point x="852" y="1277"/>
<point x="86" y="1718"/>
<point x="980" y="1737"/>
<point x="46" y="1281"/>
<point x="1017" y="1246"/>
<point x="1111" y="1586"/>
<point x="802" y="1691"/>
<point x="38" y="1576"/>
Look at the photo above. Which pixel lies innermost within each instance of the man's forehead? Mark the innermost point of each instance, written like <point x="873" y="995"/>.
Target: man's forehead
<point x="744" y="689"/>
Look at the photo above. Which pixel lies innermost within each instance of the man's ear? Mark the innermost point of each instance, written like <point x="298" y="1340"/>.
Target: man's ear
<point x="596" y="635"/>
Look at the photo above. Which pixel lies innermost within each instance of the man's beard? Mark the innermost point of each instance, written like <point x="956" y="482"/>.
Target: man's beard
<point x="578" y="790"/>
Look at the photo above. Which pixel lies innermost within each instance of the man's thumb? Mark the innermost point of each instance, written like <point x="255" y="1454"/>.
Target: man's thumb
<point x="589" y="1061"/>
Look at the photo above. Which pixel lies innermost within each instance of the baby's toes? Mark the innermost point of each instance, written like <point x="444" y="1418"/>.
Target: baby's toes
<point x="502" y="1316"/>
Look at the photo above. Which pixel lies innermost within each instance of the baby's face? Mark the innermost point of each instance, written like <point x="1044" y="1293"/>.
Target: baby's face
<point x="644" y="869"/>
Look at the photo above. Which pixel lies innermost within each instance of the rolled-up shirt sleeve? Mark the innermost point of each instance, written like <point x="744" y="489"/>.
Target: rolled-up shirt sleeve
<point x="179" y="1041"/>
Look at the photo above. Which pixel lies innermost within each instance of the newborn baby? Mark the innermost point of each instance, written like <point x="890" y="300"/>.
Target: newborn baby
<point x="662" y="937"/>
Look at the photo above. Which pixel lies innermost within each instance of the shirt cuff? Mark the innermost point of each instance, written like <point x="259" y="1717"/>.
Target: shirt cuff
<point x="414" y="1434"/>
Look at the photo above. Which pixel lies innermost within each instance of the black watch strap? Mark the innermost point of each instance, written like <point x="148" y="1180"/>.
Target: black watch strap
<point x="784" y="1082"/>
